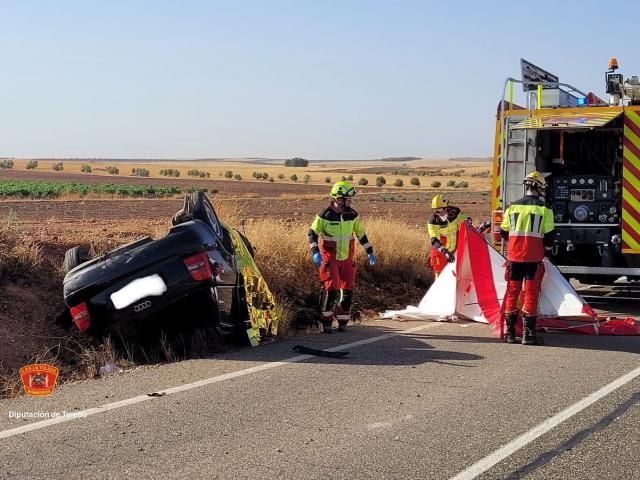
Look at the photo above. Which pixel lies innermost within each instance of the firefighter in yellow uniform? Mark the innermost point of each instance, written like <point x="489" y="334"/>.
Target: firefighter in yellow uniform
<point x="332" y="245"/>
<point x="443" y="232"/>
<point x="529" y="228"/>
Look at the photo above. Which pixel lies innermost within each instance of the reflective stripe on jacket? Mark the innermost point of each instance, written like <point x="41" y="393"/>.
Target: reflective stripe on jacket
<point x="338" y="229"/>
<point x="448" y="228"/>
<point x="528" y="224"/>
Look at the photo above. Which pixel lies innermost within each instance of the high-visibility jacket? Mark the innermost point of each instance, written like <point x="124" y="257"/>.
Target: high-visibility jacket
<point x="528" y="225"/>
<point x="439" y="229"/>
<point x="336" y="232"/>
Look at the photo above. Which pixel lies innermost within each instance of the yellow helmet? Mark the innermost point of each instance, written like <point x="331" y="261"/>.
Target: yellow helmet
<point x="535" y="180"/>
<point x="439" y="202"/>
<point x="342" y="189"/>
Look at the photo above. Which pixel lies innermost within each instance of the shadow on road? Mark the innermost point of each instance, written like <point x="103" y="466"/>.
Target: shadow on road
<point x="612" y="343"/>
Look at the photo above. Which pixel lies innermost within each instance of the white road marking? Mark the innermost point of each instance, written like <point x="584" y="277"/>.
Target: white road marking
<point x="201" y="383"/>
<point x="523" y="440"/>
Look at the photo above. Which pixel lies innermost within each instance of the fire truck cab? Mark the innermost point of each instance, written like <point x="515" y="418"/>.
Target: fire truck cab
<point x="589" y="152"/>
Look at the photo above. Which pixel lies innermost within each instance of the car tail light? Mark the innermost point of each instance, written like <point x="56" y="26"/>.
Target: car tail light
<point x="80" y="316"/>
<point x="496" y="220"/>
<point x="198" y="266"/>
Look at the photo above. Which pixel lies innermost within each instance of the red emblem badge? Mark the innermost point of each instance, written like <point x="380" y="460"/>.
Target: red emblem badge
<point x="39" y="379"/>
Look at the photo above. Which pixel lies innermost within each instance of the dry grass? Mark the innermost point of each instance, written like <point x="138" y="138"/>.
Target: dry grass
<point x="75" y="360"/>
<point x="18" y="251"/>
<point x="399" y="247"/>
<point x="10" y="383"/>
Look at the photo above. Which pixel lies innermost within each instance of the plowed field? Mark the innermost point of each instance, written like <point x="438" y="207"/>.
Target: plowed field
<point x="258" y="199"/>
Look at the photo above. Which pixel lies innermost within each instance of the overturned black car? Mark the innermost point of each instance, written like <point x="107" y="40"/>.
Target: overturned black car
<point x="202" y="273"/>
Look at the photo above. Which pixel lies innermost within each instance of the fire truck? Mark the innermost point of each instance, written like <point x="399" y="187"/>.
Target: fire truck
<point x="589" y="151"/>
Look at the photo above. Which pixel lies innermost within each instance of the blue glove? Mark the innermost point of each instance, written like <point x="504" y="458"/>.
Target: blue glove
<point x="317" y="259"/>
<point x="372" y="259"/>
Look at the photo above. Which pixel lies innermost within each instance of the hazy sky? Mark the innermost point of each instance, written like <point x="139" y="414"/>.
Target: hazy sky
<point x="318" y="79"/>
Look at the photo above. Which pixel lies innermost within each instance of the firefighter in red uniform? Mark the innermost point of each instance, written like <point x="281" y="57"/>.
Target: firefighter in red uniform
<point x="528" y="226"/>
<point x="443" y="233"/>
<point x="335" y="227"/>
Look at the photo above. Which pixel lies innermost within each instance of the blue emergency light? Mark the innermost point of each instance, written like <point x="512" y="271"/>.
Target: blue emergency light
<point x="581" y="102"/>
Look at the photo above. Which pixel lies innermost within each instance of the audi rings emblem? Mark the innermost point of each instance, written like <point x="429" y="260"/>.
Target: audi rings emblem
<point x="142" y="306"/>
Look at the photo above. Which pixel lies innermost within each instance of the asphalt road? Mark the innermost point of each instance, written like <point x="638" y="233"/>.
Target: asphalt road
<point x="411" y="401"/>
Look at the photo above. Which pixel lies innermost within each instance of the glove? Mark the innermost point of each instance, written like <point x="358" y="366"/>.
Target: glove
<point x="372" y="259"/>
<point x="317" y="259"/>
<point x="450" y="256"/>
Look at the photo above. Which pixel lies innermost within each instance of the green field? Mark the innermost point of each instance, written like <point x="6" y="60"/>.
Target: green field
<point x="36" y="189"/>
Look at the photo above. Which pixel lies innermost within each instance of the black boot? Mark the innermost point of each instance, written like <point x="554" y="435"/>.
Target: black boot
<point x="529" y="330"/>
<point x="510" y="319"/>
<point x="327" y="322"/>
<point x="327" y="327"/>
<point x="343" y="309"/>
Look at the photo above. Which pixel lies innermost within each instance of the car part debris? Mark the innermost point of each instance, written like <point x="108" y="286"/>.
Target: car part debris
<point x="320" y="353"/>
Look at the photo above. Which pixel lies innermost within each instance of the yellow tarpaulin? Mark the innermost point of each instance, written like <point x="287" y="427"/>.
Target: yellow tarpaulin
<point x="567" y="120"/>
<point x="263" y="321"/>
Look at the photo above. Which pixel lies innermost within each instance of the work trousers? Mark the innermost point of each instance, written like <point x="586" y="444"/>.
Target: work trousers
<point x="338" y="278"/>
<point x="529" y="273"/>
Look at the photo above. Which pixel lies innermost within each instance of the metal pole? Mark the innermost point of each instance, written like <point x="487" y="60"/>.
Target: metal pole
<point x="539" y="98"/>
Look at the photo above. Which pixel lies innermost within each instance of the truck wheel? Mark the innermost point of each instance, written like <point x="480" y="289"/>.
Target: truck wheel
<point x="73" y="257"/>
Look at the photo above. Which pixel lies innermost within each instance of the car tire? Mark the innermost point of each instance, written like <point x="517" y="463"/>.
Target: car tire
<point x="73" y="257"/>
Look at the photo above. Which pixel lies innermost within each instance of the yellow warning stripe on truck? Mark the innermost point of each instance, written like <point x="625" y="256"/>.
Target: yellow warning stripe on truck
<point x="631" y="182"/>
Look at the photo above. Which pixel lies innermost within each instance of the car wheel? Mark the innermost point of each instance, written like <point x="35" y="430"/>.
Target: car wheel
<point x="73" y="257"/>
